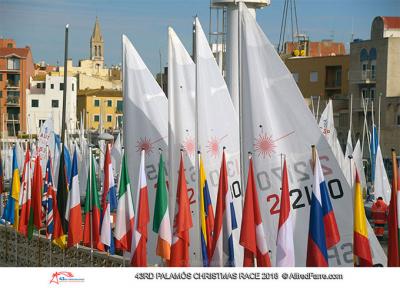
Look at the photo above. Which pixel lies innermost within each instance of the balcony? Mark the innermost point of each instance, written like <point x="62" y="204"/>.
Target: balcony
<point x="12" y="100"/>
<point x="362" y="76"/>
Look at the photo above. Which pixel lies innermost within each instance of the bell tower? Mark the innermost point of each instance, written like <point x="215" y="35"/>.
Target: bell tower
<point x="97" y="45"/>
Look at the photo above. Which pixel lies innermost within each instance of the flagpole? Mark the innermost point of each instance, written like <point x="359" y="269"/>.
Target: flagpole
<point x="90" y="205"/>
<point x="319" y="99"/>
<point x="379" y="117"/>
<point x="240" y="92"/>
<point x="65" y="85"/>
<point x="365" y="120"/>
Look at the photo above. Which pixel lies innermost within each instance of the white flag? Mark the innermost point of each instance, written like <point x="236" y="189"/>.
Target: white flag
<point x="218" y="127"/>
<point x="277" y="121"/>
<point x="181" y="107"/>
<point x="382" y="186"/>
<point x="145" y="123"/>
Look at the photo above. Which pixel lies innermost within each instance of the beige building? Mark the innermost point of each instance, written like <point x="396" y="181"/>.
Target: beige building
<point x="321" y="79"/>
<point x="101" y="109"/>
<point x="92" y="73"/>
<point x="375" y="73"/>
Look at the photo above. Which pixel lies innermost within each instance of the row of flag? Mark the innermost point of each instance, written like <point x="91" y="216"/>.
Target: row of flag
<point x="35" y="204"/>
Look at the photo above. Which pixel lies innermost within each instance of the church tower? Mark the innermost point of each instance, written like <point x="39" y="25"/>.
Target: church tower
<point x="97" y="46"/>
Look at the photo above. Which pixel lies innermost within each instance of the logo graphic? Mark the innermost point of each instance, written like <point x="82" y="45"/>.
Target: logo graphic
<point x="189" y="146"/>
<point x="265" y="145"/>
<point x="146" y="144"/>
<point x="64" y="276"/>
<point x="213" y="146"/>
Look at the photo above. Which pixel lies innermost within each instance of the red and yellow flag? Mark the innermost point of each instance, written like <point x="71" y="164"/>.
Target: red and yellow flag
<point x="362" y="250"/>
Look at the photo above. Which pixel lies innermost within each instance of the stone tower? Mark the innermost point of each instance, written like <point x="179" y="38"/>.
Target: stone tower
<point x="97" y="46"/>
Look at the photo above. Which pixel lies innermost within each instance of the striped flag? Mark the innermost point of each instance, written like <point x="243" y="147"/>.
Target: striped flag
<point x="225" y="222"/>
<point x="323" y="231"/>
<point x="182" y="223"/>
<point x="252" y="236"/>
<point x="161" y="221"/>
<point x="361" y="245"/>
<point x="393" y="224"/>
<point x="139" y="238"/>
<point x="91" y="232"/>
<point x="49" y="191"/>
<point x="108" y="203"/>
<point x="73" y="212"/>
<point x="60" y="223"/>
<point x="285" y="247"/>
<point x="11" y="212"/>
<point x="25" y="194"/>
<point x="206" y="216"/>
<point x="125" y="214"/>
<point x="35" y="212"/>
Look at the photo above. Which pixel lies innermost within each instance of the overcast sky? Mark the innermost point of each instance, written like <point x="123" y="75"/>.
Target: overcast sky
<point x="40" y="23"/>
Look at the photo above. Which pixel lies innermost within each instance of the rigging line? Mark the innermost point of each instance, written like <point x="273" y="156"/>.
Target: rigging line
<point x="282" y="23"/>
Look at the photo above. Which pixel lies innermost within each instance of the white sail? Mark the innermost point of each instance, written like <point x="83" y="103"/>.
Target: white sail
<point x="381" y="184"/>
<point x="357" y="157"/>
<point x="218" y="126"/>
<point x="182" y="133"/>
<point x="145" y="125"/>
<point x="277" y="121"/>
<point x="116" y="155"/>
<point x="327" y="126"/>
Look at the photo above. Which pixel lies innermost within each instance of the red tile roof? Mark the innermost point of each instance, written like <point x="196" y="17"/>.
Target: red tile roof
<point x="21" y="52"/>
<point x="391" y="22"/>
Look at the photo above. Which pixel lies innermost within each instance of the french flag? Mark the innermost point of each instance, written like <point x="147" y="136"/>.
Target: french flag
<point x="323" y="232"/>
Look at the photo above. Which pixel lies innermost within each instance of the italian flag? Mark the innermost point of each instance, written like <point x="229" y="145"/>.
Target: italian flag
<point x="125" y="214"/>
<point x="161" y="222"/>
<point x="73" y="213"/>
<point x="92" y="209"/>
<point x="139" y="239"/>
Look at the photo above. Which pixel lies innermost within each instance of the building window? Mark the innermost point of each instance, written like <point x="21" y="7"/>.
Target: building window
<point x="1" y="77"/>
<point x="364" y="55"/>
<point x="96" y="103"/>
<point x="43" y="85"/>
<point x="13" y="63"/>
<point x="109" y="103"/>
<point x="119" y="121"/>
<point x="1" y="94"/>
<point x="313" y="76"/>
<point x="61" y="86"/>
<point x="38" y="85"/>
<point x="373" y="69"/>
<point x="51" y="86"/>
<point x="296" y="77"/>
<point x="96" y="118"/>
<point x="372" y="93"/>
<point x="109" y="118"/>
<point x="73" y="87"/>
<point x="54" y="103"/>
<point x="35" y="103"/>
<point x="41" y="122"/>
<point x="120" y="105"/>
<point x="398" y="119"/>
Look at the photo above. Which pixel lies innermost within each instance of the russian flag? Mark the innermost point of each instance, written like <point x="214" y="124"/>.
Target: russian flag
<point x="323" y="232"/>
